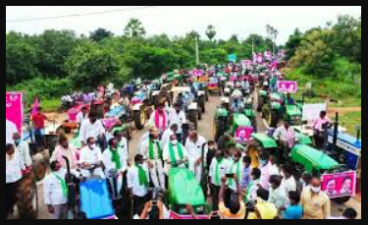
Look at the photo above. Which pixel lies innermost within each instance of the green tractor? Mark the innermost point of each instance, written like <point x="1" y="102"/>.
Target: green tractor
<point x="184" y="189"/>
<point x="275" y="109"/>
<point x="272" y="110"/>
<point x="332" y="174"/>
<point x="221" y="123"/>
<point x="265" y="142"/>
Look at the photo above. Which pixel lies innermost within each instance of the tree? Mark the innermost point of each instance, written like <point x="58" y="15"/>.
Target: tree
<point x="21" y="59"/>
<point x="90" y="65"/>
<point x="54" y="48"/>
<point x="293" y="43"/>
<point x="134" y="28"/>
<point x="211" y="32"/>
<point x="100" y="34"/>
<point x="315" y="54"/>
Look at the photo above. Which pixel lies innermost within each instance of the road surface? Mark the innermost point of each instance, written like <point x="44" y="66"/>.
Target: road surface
<point x="205" y="129"/>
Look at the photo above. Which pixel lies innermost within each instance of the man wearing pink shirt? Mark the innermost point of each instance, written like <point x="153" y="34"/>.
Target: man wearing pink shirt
<point x="285" y="135"/>
<point x="320" y="127"/>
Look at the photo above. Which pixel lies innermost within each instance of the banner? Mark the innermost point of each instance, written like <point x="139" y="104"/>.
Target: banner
<point x="197" y="73"/>
<point x="287" y="86"/>
<point x="232" y="57"/>
<point x="311" y="111"/>
<point x="339" y="184"/>
<point x="14" y="112"/>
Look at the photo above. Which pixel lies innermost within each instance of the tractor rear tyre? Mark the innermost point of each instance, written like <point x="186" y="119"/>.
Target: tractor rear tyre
<point x="342" y="200"/>
<point x="140" y="118"/>
<point x="274" y="118"/>
<point x="27" y="198"/>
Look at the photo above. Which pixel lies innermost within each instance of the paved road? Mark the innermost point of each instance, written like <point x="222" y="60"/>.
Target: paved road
<point x="205" y="129"/>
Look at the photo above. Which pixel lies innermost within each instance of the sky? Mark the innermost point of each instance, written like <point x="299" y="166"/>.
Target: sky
<point x="177" y="20"/>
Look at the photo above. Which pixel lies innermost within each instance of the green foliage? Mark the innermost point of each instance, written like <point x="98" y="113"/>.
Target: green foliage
<point x="100" y="34"/>
<point x="134" y="29"/>
<point x="54" y="47"/>
<point x="211" y="32"/>
<point x="91" y="65"/>
<point x="42" y="88"/>
<point x="293" y="43"/>
<point x="21" y="59"/>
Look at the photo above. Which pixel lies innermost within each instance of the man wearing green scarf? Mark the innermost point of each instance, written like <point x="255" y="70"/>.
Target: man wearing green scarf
<point x="115" y="166"/>
<point x="138" y="183"/>
<point x="152" y="151"/>
<point x="56" y="192"/>
<point x="237" y="169"/>
<point x="175" y="155"/>
<point x="217" y="171"/>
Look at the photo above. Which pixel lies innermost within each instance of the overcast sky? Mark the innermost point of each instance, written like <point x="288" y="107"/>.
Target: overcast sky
<point x="175" y="20"/>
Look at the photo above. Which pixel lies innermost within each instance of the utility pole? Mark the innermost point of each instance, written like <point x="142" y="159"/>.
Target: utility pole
<point x="197" y="50"/>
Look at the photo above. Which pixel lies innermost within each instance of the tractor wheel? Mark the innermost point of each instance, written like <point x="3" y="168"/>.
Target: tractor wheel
<point x="204" y="108"/>
<point x="27" y="198"/>
<point x="140" y="118"/>
<point x="342" y="200"/>
<point x="274" y="118"/>
<point x="219" y="129"/>
<point x="193" y="117"/>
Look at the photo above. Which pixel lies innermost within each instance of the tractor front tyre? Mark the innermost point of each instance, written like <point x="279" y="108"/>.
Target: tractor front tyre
<point x="27" y="198"/>
<point x="140" y="118"/>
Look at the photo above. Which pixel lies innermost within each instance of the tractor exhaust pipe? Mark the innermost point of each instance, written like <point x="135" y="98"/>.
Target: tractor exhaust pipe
<point x="336" y="129"/>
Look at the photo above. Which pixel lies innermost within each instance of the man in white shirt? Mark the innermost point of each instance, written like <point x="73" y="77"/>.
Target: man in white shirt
<point x="195" y="146"/>
<point x="266" y="168"/>
<point x="115" y="167"/>
<point x="167" y="134"/>
<point x="277" y="195"/>
<point x="92" y="128"/>
<point x="236" y="168"/>
<point x="144" y="138"/>
<point x="91" y="157"/>
<point x="175" y="155"/>
<point x="56" y="192"/>
<point x="138" y="183"/>
<point x="82" y="115"/>
<point x="286" y="137"/>
<point x="23" y="149"/>
<point x="216" y="173"/>
<point x="14" y="167"/>
<point x="152" y="150"/>
<point x="11" y="128"/>
<point x="288" y="181"/>
<point x="177" y="116"/>
<point x="160" y="119"/>
<point x="123" y="144"/>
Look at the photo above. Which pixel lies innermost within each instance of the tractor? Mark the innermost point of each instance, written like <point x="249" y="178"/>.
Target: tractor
<point x="272" y="110"/>
<point x="187" y="191"/>
<point x="333" y="174"/>
<point x="191" y="108"/>
<point x="141" y="108"/>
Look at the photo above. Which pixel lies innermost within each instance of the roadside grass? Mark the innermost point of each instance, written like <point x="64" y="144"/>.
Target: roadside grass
<point x="350" y="120"/>
<point x="50" y="105"/>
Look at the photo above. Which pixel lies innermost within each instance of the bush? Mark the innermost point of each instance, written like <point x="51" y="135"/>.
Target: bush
<point x="43" y="88"/>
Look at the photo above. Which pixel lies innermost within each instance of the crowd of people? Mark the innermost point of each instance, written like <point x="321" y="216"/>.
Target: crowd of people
<point x="235" y="187"/>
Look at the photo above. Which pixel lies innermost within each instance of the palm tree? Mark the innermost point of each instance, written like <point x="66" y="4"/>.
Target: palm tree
<point x="134" y="28"/>
<point x="211" y="32"/>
